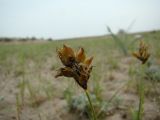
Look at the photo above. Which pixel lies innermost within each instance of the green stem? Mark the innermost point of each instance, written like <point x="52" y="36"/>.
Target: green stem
<point x="141" y="100"/>
<point x="90" y="103"/>
<point x="141" y="97"/>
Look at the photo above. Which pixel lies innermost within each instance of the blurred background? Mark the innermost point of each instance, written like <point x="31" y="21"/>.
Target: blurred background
<point x="31" y="31"/>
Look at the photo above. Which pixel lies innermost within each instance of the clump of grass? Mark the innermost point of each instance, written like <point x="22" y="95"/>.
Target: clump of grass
<point x="90" y="103"/>
<point x="153" y="74"/>
<point x="97" y="87"/>
<point x="80" y="104"/>
<point x="21" y="72"/>
<point x="48" y="89"/>
<point x="68" y="93"/>
<point x="35" y="98"/>
<point x="18" y="107"/>
<point x="31" y="92"/>
<point x="113" y="63"/>
<point x="118" y="41"/>
<point x="22" y="86"/>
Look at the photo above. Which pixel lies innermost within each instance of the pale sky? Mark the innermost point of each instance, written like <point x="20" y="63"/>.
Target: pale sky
<point x="76" y="18"/>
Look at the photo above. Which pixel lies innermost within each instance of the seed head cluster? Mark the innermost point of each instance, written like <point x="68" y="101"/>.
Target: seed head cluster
<point x="76" y="65"/>
<point x="142" y="54"/>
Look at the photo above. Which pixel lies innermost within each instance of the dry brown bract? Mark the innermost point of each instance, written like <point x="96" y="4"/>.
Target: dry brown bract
<point x="76" y="65"/>
<point x="143" y="53"/>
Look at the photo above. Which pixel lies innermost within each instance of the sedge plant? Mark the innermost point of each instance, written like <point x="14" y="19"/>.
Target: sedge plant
<point x="119" y="42"/>
<point x="142" y="54"/>
<point x="76" y="66"/>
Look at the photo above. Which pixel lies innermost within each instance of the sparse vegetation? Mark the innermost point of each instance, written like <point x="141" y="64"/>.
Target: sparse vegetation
<point x="28" y="89"/>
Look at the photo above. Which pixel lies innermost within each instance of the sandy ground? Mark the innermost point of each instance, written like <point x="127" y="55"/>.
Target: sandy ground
<point x="56" y="108"/>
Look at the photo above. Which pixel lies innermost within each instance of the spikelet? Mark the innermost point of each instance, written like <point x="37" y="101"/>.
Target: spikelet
<point x="80" y="55"/>
<point x="66" y="55"/>
<point x="66" y="71"/>
<point x="88" y="61"/>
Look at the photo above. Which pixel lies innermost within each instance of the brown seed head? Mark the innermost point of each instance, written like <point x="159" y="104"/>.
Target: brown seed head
<point x="77" y="67"/>
<point x="143" y="53"/>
